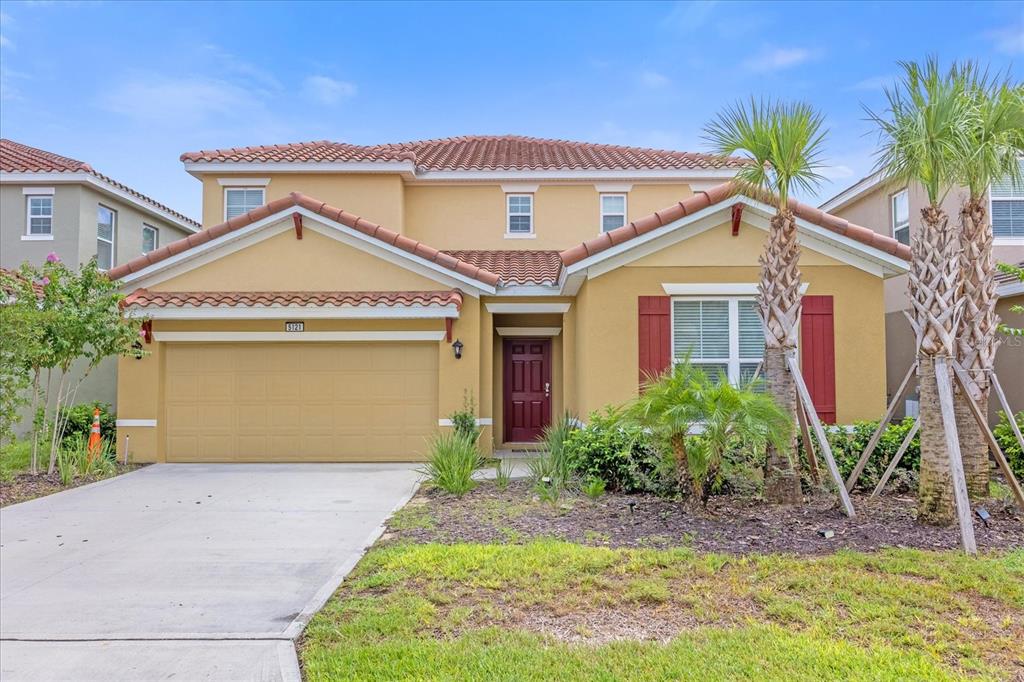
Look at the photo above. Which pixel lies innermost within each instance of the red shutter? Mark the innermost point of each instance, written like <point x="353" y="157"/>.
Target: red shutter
<point x="818" y="354"/>
<point x="654" y="335"/>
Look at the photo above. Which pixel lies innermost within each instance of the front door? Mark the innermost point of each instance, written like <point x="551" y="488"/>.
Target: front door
<point x="527" y="388"/>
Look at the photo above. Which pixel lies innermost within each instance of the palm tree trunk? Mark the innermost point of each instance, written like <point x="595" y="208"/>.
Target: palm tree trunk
<point x="779" y="301"/>
<point x="976" y="337"/>
<point x="934" y="292"/>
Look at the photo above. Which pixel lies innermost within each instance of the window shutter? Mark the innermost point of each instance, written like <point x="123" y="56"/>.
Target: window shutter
<point x="655" y="345"/>
<point x="818" y="354"/>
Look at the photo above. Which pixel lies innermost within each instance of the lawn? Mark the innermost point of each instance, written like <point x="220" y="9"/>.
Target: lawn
<point x="549" y="609"/>
<point x="18" y="485"/>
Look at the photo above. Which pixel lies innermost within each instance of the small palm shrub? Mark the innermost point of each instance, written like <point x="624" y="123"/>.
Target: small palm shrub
<point x="453" y="460"/>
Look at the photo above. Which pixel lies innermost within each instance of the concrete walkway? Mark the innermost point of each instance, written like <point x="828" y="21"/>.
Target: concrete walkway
<point x="184" y="571"/>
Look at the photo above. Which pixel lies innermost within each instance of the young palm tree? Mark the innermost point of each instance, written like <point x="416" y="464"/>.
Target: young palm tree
<point x="924" y="139"/>
<point x="783" y="144"/>
<point x="996" y="140"/>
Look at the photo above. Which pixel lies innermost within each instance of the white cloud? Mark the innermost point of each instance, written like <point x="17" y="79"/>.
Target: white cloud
<point x="688" y="17"/>
<point x="873" y="83"/>
<point x="179" y="102"/>
<point x="231" y="65"/>
<point x="1008" y="39"/>
<point x="654" y="80"/>
<point x="778" y="58"/>
<point x="327" y="90"/>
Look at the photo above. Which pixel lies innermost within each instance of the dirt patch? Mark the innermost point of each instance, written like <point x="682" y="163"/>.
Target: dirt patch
<point x="25" y="487"/>
<point x="729" y="524"/>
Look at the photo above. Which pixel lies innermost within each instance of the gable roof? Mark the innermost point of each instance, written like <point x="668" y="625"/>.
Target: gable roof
<point x="474" y="152"/>
<point x="718" y="195"/>
<point x="297" y="199"/>
<point x="516" y="267"/>
<point x="20" y="158"/>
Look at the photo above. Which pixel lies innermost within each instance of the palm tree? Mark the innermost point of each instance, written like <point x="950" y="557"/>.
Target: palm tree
<point x="996" y="141"/>
<point x="924" y="139"/>
<point x="783" y="144"/>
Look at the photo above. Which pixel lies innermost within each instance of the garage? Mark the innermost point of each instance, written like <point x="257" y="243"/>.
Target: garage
<point x="300" y="401"/>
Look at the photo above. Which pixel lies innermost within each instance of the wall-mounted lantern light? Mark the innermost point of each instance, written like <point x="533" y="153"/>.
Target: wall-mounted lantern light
<point x="457" y="347"/>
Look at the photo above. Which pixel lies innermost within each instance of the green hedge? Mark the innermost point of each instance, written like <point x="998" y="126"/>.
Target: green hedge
<point x="1008" y="442"/>
<point x="848" y="442"/>
<point x="80" y="420"/>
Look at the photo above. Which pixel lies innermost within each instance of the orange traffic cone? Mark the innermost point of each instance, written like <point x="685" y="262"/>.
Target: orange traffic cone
<point x="94" y="436"/>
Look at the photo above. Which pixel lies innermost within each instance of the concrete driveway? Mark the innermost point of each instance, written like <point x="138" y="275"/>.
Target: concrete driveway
<point x="184" y="571"/>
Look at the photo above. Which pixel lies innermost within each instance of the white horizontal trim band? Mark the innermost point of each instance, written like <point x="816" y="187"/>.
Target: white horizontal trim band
<point x="616" y="188"/>
<point x="481" y="421"/>
<point x="528" y="307"/>
<point x="312" y="312"/>
<point x="517" y="188"/>
<point x="37" y="237"/>
<point x="36" y="190"/>
<point x="135" y="422"/>
<point x="716" y="289"/>
<point x="298" y="337"/>
<point x="243" y="182"/>
<point x="528" y="331"/>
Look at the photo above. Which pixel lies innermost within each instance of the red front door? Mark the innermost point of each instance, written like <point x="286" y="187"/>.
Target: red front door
<point x="527" y="388"/>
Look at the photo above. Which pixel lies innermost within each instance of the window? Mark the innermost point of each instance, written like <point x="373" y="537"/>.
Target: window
<point x="1007" y="209"/>
<point x="520" y="214"/>
<point x="150" y="238"/>
<point x="901" y="217"/>
<point x="106" y="231"/>
<point x="613" y="211"/>
<point x="722" y="335"/>
<point x="40" y="215"/>
<point x="239" y="200"/>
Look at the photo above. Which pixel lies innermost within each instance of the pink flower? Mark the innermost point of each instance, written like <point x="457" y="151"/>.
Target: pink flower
<point x="45" y="281"/>
<point x="52" y="257"/>
<point x="142" y="333"/>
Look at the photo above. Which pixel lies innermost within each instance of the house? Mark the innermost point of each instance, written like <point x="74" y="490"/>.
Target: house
<point x="893" y="211"/>
<point x="342" y="300"/>
<point x="52" y="203"/>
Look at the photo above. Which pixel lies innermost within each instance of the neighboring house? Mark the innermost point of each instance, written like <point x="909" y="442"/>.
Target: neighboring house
<point x="51" y="203"/>
<point x="342" y="301"/>
<point x="1010" y="356"/>
<point x="894" y="211"/>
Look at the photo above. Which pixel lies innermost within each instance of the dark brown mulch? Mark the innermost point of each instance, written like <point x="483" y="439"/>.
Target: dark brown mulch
<point x="730" y="525"/>
<point x="25" y="487"/>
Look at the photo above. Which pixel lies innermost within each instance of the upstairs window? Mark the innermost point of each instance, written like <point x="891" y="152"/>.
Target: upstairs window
<point x="613" y="211"/>
<point x="106" y="232"/>
<point x="40" y="215"/>
<point x="1007" y="209"/>
<point x="901" y="217"/>
<point x="520" y="214"/>
<point x="150" y="238"/>
<point x="240" y="200"/>
<point x="723" y="336"/>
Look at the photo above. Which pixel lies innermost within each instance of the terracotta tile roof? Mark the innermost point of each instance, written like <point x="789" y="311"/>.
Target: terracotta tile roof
<point x="477" y="152"/>
<point x="143" y="298"/>
<point x="338" y="215"/>
<point x="20" y="158"/>
<point x="516" y="267"/>
<point x="9" y="288"/>
<point x="720" y="194"/>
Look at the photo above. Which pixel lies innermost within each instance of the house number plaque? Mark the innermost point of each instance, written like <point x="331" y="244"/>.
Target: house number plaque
<point x="295" y="326"/>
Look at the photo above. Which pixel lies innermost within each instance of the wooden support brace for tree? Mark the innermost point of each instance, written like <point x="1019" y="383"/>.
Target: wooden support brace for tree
<point x="993" y="444"/>
<point x="956" y="465"/>
<point x="877" y="435"/>
<point x="896" y="458"/>
<point x="994" y="380"/>
<point x="805" y="434"/>
<point x="819" y="431"/>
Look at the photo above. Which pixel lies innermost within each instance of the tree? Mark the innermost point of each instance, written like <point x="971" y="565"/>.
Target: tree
<point x="783" y="144"/>
<point x="20" y="341"/>
<point x="995" y="143"/>
<point x="924" y="136"/>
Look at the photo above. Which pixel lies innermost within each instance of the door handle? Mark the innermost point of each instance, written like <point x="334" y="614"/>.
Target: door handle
<point x="547" y="389"/>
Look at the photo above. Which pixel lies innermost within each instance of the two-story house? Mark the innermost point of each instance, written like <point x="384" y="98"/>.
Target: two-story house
<point x="894" y="211"/>
<point x="342" y="301"/>
<point x="52" y="203"/>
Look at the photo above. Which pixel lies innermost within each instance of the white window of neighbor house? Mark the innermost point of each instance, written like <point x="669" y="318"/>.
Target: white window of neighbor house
<point x="519" y="214"/>
<point x="723" y="336"/>
<point x="239" y="200"/>
<point x="1007" y="209"/>
<point x="40" y="215"/>
<point x="150" y="238"/>
<point x="901" y="217"/>
<point x="106" y="235"/>
<point x="613" y="211"/>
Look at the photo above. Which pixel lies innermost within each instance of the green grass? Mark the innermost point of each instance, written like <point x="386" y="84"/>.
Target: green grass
<point x="14" y="459"/>
<point x="436" y="612"/>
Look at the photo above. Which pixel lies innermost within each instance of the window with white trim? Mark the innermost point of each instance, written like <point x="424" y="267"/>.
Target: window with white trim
<point x="40" y="214"/>
<point x="1007" y="208"/>
<point x="613" y="211"/>
<point x="722" y="335"/>
<point x="240" y="200"/>
<point x="520" y="214"/>
<point x="150" y="238"/>
<point x="106" y="234"/>
<point x="900" y="216"/>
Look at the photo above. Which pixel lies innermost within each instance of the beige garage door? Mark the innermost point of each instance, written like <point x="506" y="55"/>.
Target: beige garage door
<point x="274" y="402"/>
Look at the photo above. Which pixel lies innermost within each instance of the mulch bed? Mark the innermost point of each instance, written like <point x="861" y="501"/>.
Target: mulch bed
<point x="729" y="525"/>
<point x="24" y="487"/>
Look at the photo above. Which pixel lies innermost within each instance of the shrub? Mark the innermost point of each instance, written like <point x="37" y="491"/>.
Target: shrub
<point x="73" y="458"/>
<point x="1008" y="442"/>
<point x="552" y="467"/>
<point x="848" y="443"/>
<point x="464" y="420"/>
<point x="502" y="473"/>
<point x="79" y="420"/>
<point x="616" y="452"/>
<point x="453" y="459"/>
<point x="593" y="488"/>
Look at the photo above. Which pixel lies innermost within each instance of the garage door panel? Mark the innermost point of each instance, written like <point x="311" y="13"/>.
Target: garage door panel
<point x="300" y="401"/>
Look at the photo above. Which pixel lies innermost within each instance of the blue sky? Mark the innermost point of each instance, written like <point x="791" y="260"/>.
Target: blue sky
<point x="128" y="87"/>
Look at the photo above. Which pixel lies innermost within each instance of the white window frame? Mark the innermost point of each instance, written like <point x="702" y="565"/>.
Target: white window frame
<point x="625" y="209"/>
<point x="893" y="227"/>
<point x="42" y="236"/>
<point x="244" y="188"/>
<point x="113" y="237"/>
<point x="156" y="237"/>
<point x="509" y="234"/>
<point x="734" y="360"/>
<point x="1004" y="241"/>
